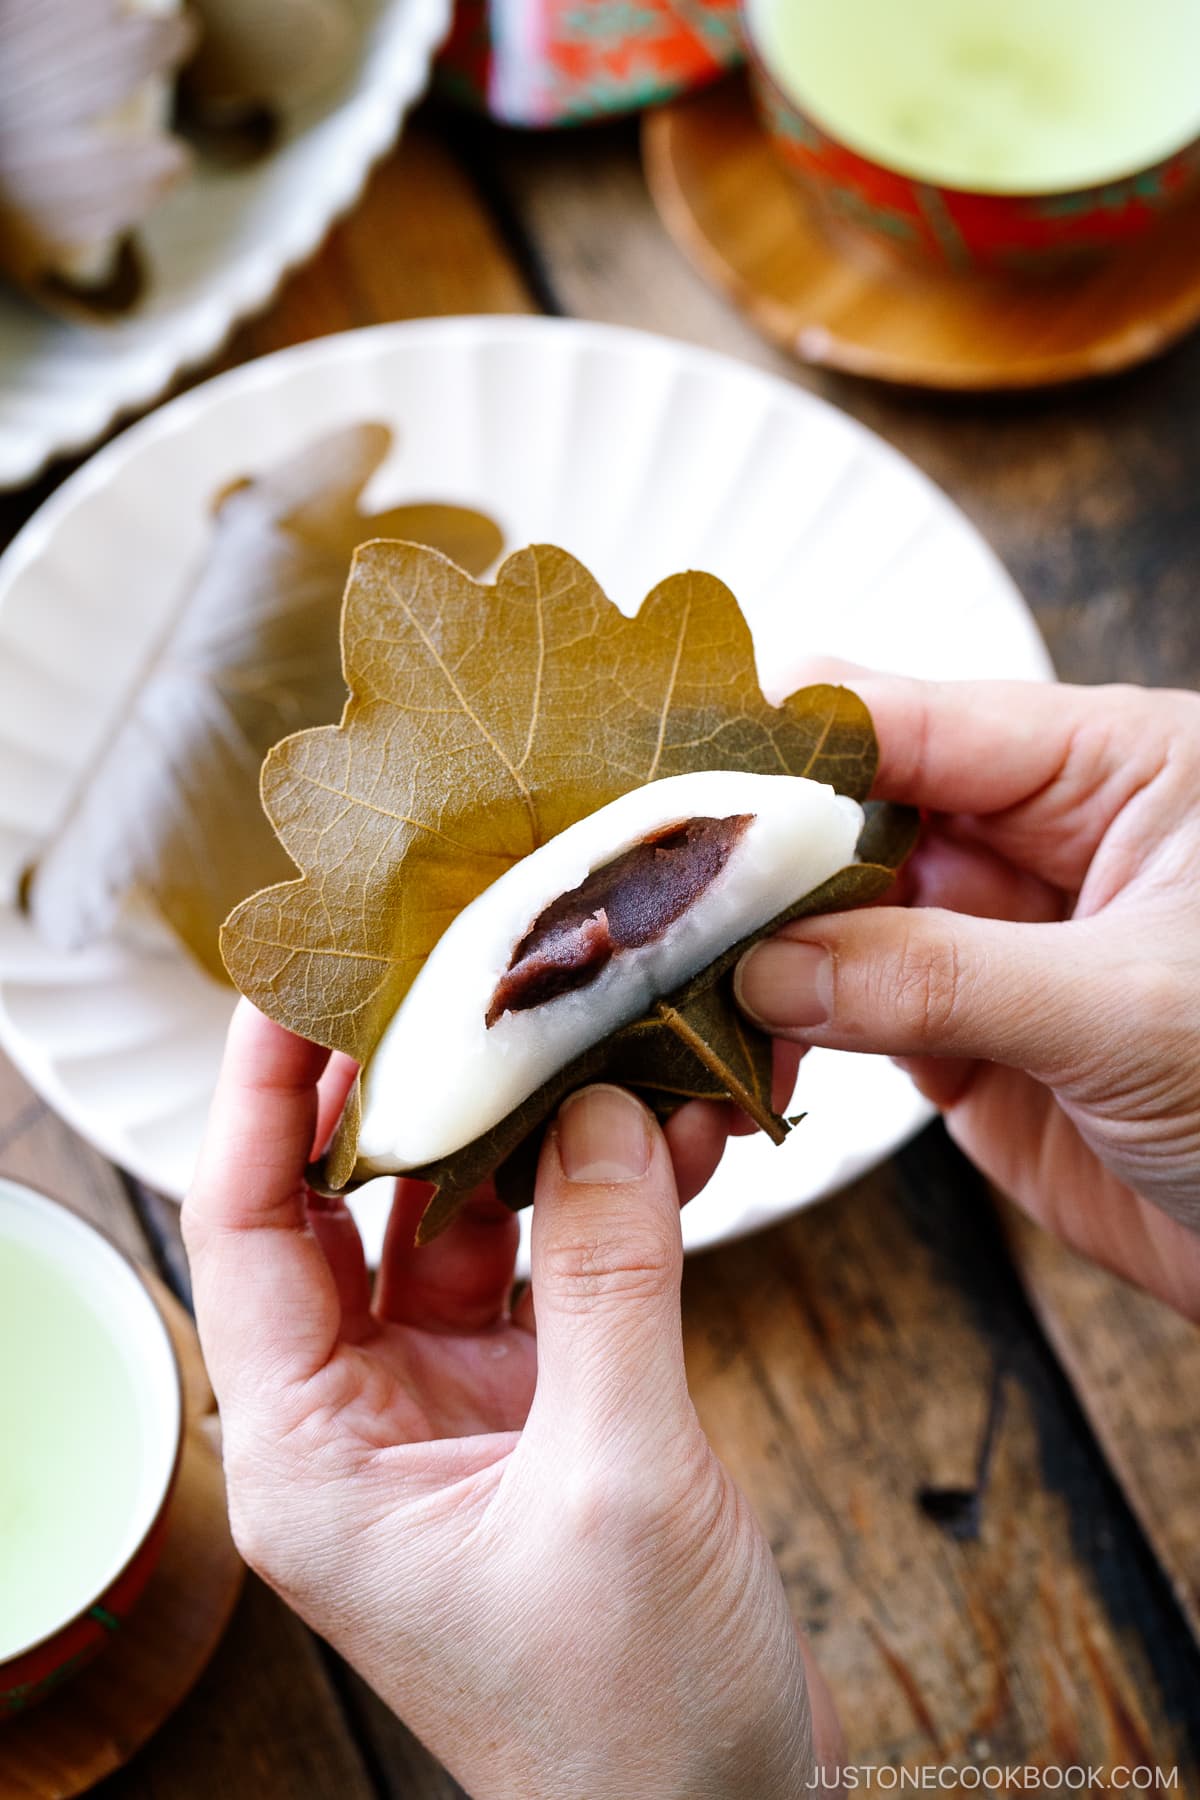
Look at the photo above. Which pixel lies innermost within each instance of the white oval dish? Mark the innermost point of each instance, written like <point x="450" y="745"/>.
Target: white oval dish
<point x="642" y="456"/>
<point x="216" y="249"/>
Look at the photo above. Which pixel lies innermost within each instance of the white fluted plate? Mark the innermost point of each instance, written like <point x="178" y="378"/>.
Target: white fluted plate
<point x="640" y="455"/>
<point x="216" y="249"/>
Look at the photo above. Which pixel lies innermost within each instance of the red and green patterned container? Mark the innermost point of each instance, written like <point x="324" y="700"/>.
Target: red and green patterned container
<point x="959" y="228"/>
<point x="561" y="62"/>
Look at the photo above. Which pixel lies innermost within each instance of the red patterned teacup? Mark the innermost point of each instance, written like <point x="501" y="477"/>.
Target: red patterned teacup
<point x="91" y="1424"/>
<point x="995" y="226"/>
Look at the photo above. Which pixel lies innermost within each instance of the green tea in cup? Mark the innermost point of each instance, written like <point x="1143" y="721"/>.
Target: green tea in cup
<point x="90" y="1422"/>
<point x="71" y="1458"/>
<point x="1002" y="96"/>
<point x="988" y="133"/>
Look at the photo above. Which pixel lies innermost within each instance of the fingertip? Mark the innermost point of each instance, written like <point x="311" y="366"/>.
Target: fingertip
<point x="603" y="1136"/>
<point x="784" y="985"/>
<point x="604" y="1155"/>
<point x="262" y="1055"/>
<point x="260" y="1126"/>
<point x="250" y="1025"/>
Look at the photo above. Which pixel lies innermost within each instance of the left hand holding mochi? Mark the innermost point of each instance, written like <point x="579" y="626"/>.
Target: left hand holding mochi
<point x="523" y="1542"/>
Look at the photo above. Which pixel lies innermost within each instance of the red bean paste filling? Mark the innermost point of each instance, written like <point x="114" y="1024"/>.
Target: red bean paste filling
<point x="619" y="906"/>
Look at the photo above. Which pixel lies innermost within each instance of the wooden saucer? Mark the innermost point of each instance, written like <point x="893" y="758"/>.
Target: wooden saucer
<point x="740" y="217"/>
<point x="96" y="1721"/>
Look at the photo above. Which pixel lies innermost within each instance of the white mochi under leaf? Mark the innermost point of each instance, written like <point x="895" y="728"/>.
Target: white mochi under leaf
<point x="440" y="1077"/>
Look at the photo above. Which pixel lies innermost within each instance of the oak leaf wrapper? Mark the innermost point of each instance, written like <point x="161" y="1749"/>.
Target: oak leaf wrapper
<point x="168" y="810"/>
<point x="483" y="720"/>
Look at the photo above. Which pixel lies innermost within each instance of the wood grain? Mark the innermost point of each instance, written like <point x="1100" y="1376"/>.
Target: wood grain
<point x="1135" y="1366"/>
<point x="838" y="300"/>
<point x="600" y="248"/>
<point x="265" y="1723"/>
<point x="842" y="1365"/>
<point x="104" y="1715"/>
<point x="419" y="244"/>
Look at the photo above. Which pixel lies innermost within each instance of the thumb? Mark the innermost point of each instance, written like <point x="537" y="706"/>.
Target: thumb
<point x="607" y="1259"/>
<point x="925" y="982"/>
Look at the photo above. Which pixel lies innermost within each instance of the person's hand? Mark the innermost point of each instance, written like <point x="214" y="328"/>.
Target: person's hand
<point x="1044" y="989"/>
<point x="524" y="1544"/>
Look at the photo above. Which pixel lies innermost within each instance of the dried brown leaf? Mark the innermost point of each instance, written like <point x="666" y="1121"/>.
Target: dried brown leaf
<point x="484" y="719"/>
<point x="170" y="810"/>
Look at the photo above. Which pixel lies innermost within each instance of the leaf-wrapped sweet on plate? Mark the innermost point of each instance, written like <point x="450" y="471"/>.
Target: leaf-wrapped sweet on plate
<point x="86" y="92"/>
<point x="532" y="852"/>
<point x="168" y="812"/>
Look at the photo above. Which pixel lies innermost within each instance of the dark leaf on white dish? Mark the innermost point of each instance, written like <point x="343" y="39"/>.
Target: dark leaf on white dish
<point x="169" y="811"/>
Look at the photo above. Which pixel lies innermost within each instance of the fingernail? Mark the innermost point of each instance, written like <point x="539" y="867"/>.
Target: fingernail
<point x="784" y="985"/>
<point x="603" y="1135"/>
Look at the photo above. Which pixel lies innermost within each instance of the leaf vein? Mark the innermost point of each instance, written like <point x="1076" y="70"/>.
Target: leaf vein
<point x="669" y="695"/>
<point x="469" y="711"/>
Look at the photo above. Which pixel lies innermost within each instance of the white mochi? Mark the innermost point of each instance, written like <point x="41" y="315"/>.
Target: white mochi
<point x="440" y="1076"/>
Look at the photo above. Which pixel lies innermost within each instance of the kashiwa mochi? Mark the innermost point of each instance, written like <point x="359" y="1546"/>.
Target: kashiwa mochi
<point x="582" y="936"/>
<point x="488" y="726"/>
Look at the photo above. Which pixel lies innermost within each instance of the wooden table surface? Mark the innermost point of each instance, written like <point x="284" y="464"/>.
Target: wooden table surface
<point x="845" y="1364"/>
